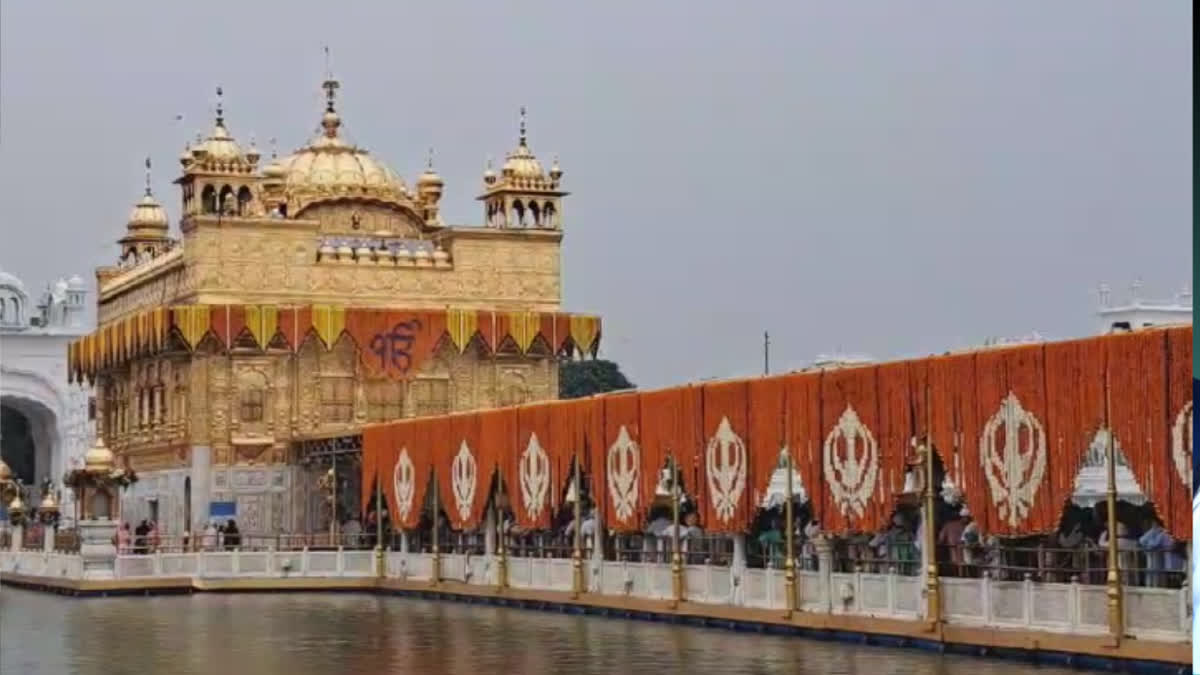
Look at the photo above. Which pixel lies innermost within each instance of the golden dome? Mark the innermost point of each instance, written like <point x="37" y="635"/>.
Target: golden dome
<point x="5" y="472"/>
<point x="522" y="171"/>
<point x="148" y="213"/>
<point x="219" y="151"/>
<point x="521" y="163"/>
<point x="49" y="504"/>
<point x="17" y="506"/>
<point x="329" y="168"/>
<point x="99" y="459"/>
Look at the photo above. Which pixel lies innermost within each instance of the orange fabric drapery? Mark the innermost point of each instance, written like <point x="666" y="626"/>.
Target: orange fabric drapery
<point x="1012" y="456"/>
<point x="623" y="467"/>
<point x="954" y="415"/>
<point x="897" y="428"/>
<point x="373" y="444"/>
<point x="465" y="449"/>
<point x="538" y="464"/>
<point x="850" y="453"/>
<point x="394" y="344"/>
<point x="1179" y="408"/>
<point x="404" y="467"/>
<point x="767" y="403"/>
<point x="1075" y="374"/>
<point x="669" y="428"/>
<point x="1138" y="409"/>
<point x="803" y="433"/>
<point x="725" y="497"/>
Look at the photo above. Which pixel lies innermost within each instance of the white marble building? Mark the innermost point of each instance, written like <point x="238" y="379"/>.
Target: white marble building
<point x="46" y="424"/>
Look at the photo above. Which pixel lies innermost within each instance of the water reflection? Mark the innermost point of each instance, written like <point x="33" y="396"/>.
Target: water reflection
<point x="359" y="634"/>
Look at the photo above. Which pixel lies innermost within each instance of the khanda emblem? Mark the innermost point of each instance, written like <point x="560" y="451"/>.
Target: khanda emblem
<point x="462" y="480"/>
<point x="394" y="348"/>
<point x="405" y="484"/>
<point x="851" y="463"/>
<point x="1013" y="451"/>
<point x="621" y="466"/>
<point x="1181" y="443"/>
<point x="725" y="464"/>
<point x="535" y="476"/>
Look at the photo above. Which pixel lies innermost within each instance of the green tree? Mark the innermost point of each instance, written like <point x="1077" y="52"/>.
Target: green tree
<point x="584" y="378"/>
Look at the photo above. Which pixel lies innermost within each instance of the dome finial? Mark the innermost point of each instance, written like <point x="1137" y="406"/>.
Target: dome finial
<point x="521" y="142"/>
<point x="330" y="85"/>
<point x="148" y="191"/>
<point x="220" y="107"/>
<point x="429" y="160"/>
<point x="272" y="147"/>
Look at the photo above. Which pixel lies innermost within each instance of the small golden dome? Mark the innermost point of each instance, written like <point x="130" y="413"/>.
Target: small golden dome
<point x="5" y="472"/>
<point x="522" y="164"/>
<point x="148" y="213"/>
<point x="219" y="151"/>
<point x="17" y="506"/>
<point x="49" y="504"/>
<point x="99" y="459"/>
<point x="274" y="170"/>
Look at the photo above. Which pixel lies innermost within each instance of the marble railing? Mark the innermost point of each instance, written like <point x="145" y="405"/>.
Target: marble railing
<point x="1150" y="613"/>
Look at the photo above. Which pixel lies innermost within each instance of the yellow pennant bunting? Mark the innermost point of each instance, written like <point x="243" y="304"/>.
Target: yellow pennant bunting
<point x="524" y="328"/>
<point x="329" y="322"/>
<point x="583" y="331"/>
<point x="263" y="322"/>
<point x="462" y="324"/>
<point x="192" y="322"/>
<point x="157" y="323"/>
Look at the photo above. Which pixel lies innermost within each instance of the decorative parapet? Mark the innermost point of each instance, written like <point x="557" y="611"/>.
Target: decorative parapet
<point x="382" y="252"/>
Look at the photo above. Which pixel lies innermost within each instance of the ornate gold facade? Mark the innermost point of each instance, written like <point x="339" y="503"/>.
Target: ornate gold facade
<point x="328" y="225"/>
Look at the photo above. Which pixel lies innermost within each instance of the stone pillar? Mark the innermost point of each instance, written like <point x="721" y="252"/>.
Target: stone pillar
<point x="18" y="538"/>
<point x="201" y="473"/>
<point x="737" y="569"/>
<point x="48" y="538"/>
<point x="825" y="569"/>
<point x="489" y="532"/>
<point x="96" y="548"/>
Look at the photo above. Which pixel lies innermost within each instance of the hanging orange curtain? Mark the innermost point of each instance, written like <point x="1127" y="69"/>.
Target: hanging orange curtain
<point x="662" y="432"/>
<point x="804" y="436"/>
<point x="465" y="451"/>
<point x="724" y="457"/>
<point x="766" y="409"/>
<point x="897" y="416"/>
<point x="955" y="419"/>
<point x="536" y="463"/>
<point x="625" y="501"/>
<point x="1180" y="415"/>
<point x="413" y="439"/>
<point x="850" y="453"/>
<point x="1012" y="456"/>
<point x="1074" y="412"/>
<point x="1137" y="382"/>
<point x="587" y="427"/>
<point x="374" y="443"/>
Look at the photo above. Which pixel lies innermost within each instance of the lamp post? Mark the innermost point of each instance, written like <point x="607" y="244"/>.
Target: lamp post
<point x="789" y="563"/>
<point x="676" y="558"/>
<point x="577" y="547"/>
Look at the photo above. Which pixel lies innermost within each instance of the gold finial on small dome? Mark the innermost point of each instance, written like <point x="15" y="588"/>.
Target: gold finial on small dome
<point x="220" y="107"/>
<point x="49" y="503"/>
<point x="521" y="141"/>
<point x="149" y="192"/>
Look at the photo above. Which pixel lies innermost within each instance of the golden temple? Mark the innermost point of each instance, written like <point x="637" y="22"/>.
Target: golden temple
<point x="306" y="297"/>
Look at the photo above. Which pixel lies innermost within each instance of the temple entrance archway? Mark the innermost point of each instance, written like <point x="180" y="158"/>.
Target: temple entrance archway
<point x="30" y="437"/>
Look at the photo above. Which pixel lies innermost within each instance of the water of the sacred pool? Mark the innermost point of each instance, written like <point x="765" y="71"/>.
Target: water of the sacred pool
<point x="311" y="634"/>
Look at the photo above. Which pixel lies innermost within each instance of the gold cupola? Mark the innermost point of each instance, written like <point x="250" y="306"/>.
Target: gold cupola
<point x="219" y="177"/>
<point x="429" y="191"/>
<point x="146" y="230"/>
<point x="523" y="195"/>
<point x="329" y="169"/>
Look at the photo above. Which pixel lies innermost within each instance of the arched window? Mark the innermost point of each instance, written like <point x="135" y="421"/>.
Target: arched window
<point x="519" y="210"/>
<point x="226" y="201"/>
<point x="208" y="199"/>
<point x="535" y="214"/>
<point x="548" y="214"/>
<point x="243" y="201"/>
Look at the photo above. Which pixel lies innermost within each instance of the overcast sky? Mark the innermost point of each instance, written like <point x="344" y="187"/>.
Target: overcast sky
<point x="889" y="178"/>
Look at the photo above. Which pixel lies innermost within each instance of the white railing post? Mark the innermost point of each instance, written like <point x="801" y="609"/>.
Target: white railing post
<point x="236" y="563"/>
<point x="986" y="602"/>
<point x="1027" y="599"/>
<point x="158" y="568"/>
<point x="341" y="562"/>
<point x="304" y="561"/>
<point x="200" y="566"/>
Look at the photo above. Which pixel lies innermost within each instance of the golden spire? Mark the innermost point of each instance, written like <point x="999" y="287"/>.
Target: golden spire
<point x="220" y="108"/>
<point x="521" y="141"/>
<point x="149" y="192"/>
